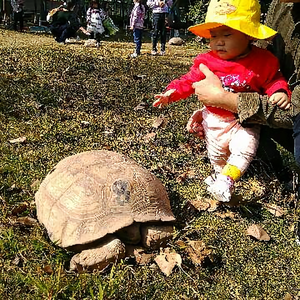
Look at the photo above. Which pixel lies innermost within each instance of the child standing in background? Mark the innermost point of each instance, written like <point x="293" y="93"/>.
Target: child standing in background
<point x="137" y="24"/>
<point x="231" y="25"/>
<point x="94" y="17"/>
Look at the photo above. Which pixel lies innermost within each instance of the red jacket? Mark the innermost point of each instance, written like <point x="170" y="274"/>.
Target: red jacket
<point x="257" y="72"/>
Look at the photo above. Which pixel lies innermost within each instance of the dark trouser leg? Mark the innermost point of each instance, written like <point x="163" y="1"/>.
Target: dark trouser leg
<point x="137" y="37"/>
<point x="155" y="27"/>
<point x="98" y="37"/>
<point x="296" y="136"/>
<point x="67" y="32"/>
<point x="16" y="18"/>
<point x="21" y="20"/>
<point x="269" y="154"/>
<point x="163" y="32"/>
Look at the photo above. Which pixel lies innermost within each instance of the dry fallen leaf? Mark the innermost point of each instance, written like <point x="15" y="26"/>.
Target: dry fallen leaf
<point x="19" y="209"/>
<point x="197" y="251"/>
<point x="48" y="270"/>
<point x="26" y="221"/>
<point x="200" y="204"/>
<point x="257" y="232"/>
<point x="180" y="244"/>
<point x="228" y="214"/>
<point x="167" y="260"/>
<point x="181" y="178"/>
<point x="149" y="137"/>
<point x="18" y="140"/>
<point x="142" y="258"/>
<point x="159" y="121"/>
<point x="274" y="209"/>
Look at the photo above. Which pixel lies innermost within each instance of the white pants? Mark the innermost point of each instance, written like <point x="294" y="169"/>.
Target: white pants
<point x="227" y="142"/>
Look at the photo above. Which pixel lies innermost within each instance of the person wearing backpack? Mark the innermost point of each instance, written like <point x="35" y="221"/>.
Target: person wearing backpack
<point x="160" y="10"/>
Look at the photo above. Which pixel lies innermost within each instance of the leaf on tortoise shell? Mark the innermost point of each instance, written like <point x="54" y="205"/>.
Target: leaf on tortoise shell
<point x="274" y="209"/>
<point x="159" y="121"/>
<point x="21" y="139"/>
<point x="167" y="260"/>
<point x="257" y="232"/>
<point x="197" y="251"/>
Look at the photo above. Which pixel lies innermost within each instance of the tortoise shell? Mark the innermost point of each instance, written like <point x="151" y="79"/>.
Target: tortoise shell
<point x="95" y="193"/>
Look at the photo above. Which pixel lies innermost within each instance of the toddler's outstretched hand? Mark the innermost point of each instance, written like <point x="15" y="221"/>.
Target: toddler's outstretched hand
<point x="281" y="100"/>
<point x="163" y="99"/>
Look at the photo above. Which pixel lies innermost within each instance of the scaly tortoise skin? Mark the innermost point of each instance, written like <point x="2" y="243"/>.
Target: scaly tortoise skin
<point x="92" y="195"/>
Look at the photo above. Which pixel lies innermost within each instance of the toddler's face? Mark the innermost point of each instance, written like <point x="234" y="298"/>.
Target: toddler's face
<point x="228" y="43"/>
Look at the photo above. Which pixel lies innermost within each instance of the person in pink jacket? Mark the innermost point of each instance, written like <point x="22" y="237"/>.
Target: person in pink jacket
<point x="231" y="27"/>
<point x="137" y="25"/>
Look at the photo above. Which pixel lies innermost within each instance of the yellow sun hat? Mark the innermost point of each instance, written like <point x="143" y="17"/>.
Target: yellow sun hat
<point x="241" y="15"/>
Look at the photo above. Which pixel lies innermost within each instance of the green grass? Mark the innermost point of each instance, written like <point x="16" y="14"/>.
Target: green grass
<point x="48" y="91"/>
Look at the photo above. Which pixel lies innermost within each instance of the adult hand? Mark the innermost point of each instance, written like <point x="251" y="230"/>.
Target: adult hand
<point x="194" y="124"/>
<point x="211" y="92"/>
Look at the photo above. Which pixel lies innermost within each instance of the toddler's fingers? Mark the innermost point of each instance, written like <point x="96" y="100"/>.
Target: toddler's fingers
<point x="158" y="96"/>
<point x="157" y="103"/>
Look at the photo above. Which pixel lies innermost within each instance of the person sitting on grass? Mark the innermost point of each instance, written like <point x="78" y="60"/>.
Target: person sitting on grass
<point x="65" y="23"/>
<point x="231" y="27"/>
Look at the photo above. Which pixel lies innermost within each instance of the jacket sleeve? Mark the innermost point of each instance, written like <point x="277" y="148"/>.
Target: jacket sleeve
<point x="133" y="17"/>
<point x="183" y="86"/>
<point x="256" y="109"/>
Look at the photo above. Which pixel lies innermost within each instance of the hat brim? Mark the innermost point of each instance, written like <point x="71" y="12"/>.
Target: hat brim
<point x="260" y="32"/>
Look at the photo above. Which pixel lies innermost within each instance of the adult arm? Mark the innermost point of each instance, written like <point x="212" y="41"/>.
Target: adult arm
<point x="251" y="108"/>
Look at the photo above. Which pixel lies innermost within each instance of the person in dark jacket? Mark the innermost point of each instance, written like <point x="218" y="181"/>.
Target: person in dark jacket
<point x="65" y="23"/>
<point x="18" y="10"/>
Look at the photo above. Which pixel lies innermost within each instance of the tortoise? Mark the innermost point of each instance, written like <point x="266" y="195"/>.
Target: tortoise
<point x="176" y="41"/>
<point x="99" y="202"/>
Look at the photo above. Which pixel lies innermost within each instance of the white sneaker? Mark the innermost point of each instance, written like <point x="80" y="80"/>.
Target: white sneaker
<point x="153" y="52"/>
<point x="210" y="180"/>
<point x="134" y="55"/>
<point x="162" y="53"/>
<point x="222" y="188"/>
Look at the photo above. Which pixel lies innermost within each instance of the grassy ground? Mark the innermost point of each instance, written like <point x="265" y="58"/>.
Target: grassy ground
<point x="48" y="94"/>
